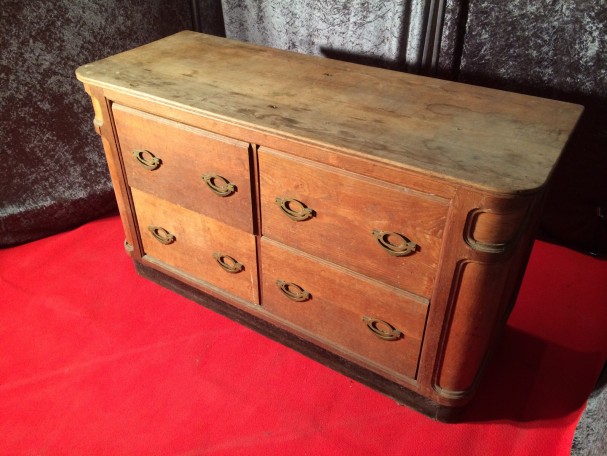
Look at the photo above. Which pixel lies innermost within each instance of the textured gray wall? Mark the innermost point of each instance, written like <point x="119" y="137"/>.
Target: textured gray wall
<point x="452" y="38"/>
<point x="53" y="173"/>
<point x="384" y="33"/>
<point x="556" y="49"/>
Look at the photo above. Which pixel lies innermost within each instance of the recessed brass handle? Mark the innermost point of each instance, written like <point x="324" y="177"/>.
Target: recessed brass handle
<point x="294" y="209"/>
<point x="382" y="329"/>
<point x="147" y="159"/>
<point x="228" y="263"/>
<point x="219" y="185"/>
<point x="402" y="247"/>
<point x="161" y="235"/>
<point x="293" y="291"/>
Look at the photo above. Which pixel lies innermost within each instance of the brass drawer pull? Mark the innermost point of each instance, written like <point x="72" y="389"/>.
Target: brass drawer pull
<point x="228" y="263"/>
<point x="294" y="209"/>
<point x="219" y="185"/>
<point x="382" y="329"/>
<point x="161" y="235"/>
<point x="293" y="291"/>
<point x="147" y="159"/>
<point x="404" y="246"/>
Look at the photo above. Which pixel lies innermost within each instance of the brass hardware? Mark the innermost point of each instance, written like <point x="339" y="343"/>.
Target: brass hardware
<point x="293" y="291"/>
<point x="382" y="329"/>
<point x="147" y="159"/>
<point x="219" y="185"/>
<point x="128" y="247"/>
<point x="300" y="213"/>
<point x="403" y="248"/>
<point x="228" y="263"/>
<point x="161" y="235"/>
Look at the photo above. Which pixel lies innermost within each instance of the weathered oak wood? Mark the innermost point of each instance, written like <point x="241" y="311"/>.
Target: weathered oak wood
<point x="471" y="135"/>
<point x="186" y="155"/>
<point x="377" y="221"/>
<point x="338" y="301"/>
<point x="347" y="209"/>
<point x="196" y="239"/>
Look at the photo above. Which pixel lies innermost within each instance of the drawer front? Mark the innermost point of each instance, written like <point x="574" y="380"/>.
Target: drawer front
<point x="362" y="319"/>
<point x="378" y="229"/>
<point x="197" y="245"/>
<point x="201" y="171"/>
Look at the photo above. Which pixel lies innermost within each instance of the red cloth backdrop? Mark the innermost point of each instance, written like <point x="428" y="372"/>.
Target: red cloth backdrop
<point x="96" y="360"/>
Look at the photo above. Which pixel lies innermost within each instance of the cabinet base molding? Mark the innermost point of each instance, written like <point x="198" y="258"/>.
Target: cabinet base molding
<point x="400" y="394"/>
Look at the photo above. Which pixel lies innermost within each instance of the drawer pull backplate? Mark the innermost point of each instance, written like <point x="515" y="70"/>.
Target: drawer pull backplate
<point x="219" y="185"/>
<point x="403" y="247"/>
<point x="294" y="209"/>
<point x="293" y="291"/>
<point x="382" y="329"/>
<point x="161" y="235"/>
<point x="147" y="159"/>
<point x="228" y="263"/>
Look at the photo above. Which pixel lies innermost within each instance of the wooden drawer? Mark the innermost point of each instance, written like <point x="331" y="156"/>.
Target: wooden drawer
<point x="186" y="154"/>
<point x="340" y="307"/>
<point x="349" y="214"/>
<point x="198" y="246"/>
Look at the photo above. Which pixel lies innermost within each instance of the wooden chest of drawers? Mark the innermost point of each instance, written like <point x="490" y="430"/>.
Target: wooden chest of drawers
<point x="379" y="222"/>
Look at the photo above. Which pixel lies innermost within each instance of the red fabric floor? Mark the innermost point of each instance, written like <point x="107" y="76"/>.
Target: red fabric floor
<point x="95" y="360"/>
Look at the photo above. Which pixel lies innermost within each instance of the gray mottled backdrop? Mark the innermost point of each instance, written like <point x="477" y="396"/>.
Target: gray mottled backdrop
<point x="556" y="49"/>
<point x="53" y="174"/>
<point x="52" y="171"/>
<point x="385" y="33"/>
<point x="553" y="47"/>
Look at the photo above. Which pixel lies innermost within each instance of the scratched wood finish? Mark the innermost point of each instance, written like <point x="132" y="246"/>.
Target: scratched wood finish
<point x="186" y="155"/>
<point x="362" y="164"/>
<point x="104" y="128"/>
<point x="347" y="209"/>
<point x="338" y="302"/>
<point x="459" y="170"/>
<point x="197" y="238"/>
<point x="474" y="326"/>
<point x="472" y="135"/>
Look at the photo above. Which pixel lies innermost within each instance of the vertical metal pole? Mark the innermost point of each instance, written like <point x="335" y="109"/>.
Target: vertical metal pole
<point x="435" y="14"/>
<point x="195" y="15"/>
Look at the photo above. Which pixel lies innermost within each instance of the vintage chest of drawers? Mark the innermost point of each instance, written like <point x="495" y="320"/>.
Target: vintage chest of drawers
<point x="379" y="222"/>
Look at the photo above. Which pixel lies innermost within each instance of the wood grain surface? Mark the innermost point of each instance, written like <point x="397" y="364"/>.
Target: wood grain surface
<point x="486" y="138"/>
<point x="186" y="155"/>
<point x="197" y="238"/>
<point x="456" y="171"/>
<point x="347" y="209"/>
<point x="339" y="301"/>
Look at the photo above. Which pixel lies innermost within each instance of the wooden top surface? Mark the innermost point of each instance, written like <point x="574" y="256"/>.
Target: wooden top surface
<point x="489" y="139"/>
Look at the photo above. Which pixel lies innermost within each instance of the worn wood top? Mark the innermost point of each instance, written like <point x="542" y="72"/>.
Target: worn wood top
<point x="490" y="139"/>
